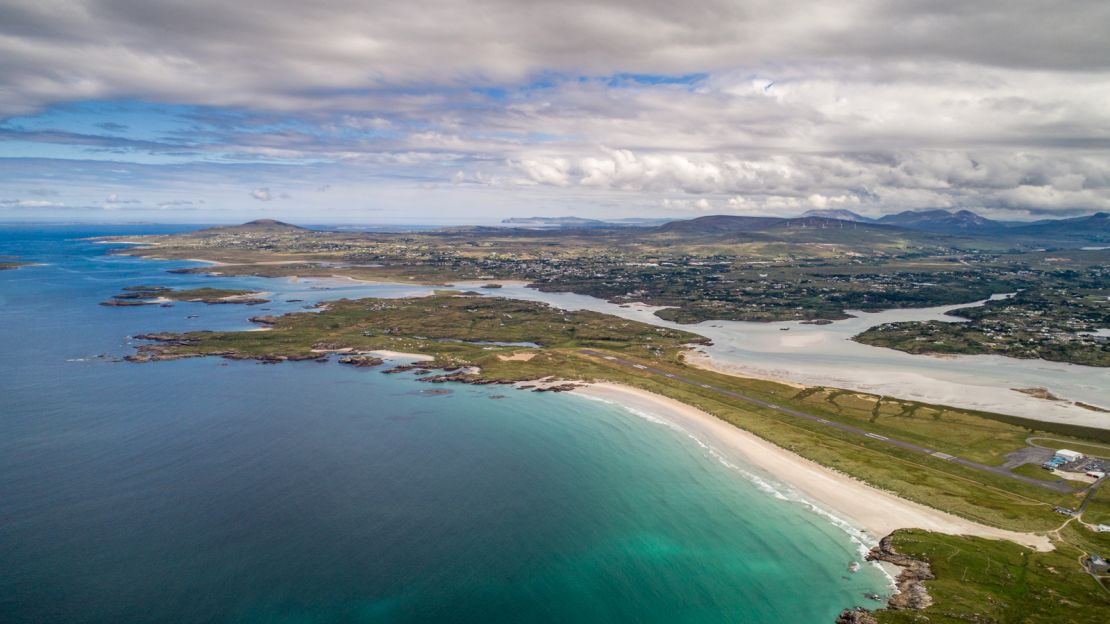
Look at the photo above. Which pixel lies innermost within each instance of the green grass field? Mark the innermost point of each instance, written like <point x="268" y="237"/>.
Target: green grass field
<point x="979" y="580"/>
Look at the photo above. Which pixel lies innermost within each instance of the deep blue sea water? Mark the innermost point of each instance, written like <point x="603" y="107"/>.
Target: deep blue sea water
<point x="213" y="491"/>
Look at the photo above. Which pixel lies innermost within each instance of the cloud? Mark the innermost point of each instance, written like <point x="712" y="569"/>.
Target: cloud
<point x="177" y="204"/>
<point x="115" y="199"/>
<point x="1029" y="182"/>
<point x="759" y="106"/>
<point x="287" y="53"/>
<point x="29" y="203"/>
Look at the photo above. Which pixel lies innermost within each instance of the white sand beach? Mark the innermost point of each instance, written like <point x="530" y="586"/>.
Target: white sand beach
<point x="876" y="511"/>
<point x="399" y="355"/>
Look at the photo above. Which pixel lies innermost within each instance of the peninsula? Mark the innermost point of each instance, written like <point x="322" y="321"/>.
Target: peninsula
<point x="723" y="268"/>
<point x="153" y="295"/>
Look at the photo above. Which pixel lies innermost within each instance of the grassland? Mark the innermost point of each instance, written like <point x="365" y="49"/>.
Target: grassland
<point x="980" y="580"/>
<point x="147" y="295"/>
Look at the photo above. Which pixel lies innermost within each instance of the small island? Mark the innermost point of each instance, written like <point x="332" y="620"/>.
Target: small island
<point x="155" y="295"/>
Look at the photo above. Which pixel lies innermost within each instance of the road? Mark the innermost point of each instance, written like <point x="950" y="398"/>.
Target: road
<point x="1057" y="486"/>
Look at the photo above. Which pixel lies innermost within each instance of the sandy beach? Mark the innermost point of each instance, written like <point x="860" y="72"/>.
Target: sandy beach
<point x="860" y="505"/>
<point x="399" y="355"/>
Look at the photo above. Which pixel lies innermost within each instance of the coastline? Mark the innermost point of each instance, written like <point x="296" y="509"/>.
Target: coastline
<point x="400" y="355"/>
<point x="704" y="361"/>
<point x="862" y="506"/>
<point x="859" y="508"/>
<point x="911" y="384"/>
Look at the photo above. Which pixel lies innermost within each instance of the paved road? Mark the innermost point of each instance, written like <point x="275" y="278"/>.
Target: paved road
<point x="1057" y="486"/>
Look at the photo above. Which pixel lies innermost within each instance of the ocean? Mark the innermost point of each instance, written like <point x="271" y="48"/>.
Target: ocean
<point x="207" y="490"/>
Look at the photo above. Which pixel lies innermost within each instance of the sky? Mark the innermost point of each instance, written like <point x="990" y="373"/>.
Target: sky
<point x="448" y="111"/>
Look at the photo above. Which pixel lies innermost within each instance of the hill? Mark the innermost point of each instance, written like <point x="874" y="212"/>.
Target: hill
<point x="259" y="225"/>
<point x="839" y="214"/>
<point x="718" y="224"/>
<point x="944" y="222"/>
<point x="1091" y="228"/>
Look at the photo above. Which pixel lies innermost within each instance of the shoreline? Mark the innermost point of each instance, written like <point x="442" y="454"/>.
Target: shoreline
<point x="876" y="512"/>
<point x="704" y="361"/>
<point x="400" y="355"/>
<point x="1001" y="400"/>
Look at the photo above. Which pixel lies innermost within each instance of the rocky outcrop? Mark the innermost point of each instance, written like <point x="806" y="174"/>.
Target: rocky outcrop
<point x="361" y="361"/>
<point x="125" y="303"/>
<point x="167" y="339"/>
<point x="264" y="320"/>
<point x="856" y="615"/>
<point x="466" y="378"/>
<point x="563" y="387"/>
<point x="422" y="366"/>
<point x="911" y="592"/>
<point x="161" y="353"/>
<point x="910" y="582"/>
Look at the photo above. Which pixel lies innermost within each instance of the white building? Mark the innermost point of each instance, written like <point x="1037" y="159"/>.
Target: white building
<point x="1069" y="455"/>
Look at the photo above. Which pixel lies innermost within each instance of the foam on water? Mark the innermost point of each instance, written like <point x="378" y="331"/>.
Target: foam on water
<point x="766" y="484"/>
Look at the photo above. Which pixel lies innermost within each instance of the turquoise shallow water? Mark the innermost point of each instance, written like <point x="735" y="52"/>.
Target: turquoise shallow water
<point x="213" y="491"/>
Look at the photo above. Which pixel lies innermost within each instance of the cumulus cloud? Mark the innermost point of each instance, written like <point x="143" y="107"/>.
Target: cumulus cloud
<point x="287" y="51"/>
<point x="765" y="105"/>
<point x="1034" y="183"/>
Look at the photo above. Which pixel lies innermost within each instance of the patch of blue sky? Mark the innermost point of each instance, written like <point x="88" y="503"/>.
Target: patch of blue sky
<point x="526" y="137"/>
<point x="40" y="150"/>
<point x="630" y="79"/>
<point x="126" y="118"/>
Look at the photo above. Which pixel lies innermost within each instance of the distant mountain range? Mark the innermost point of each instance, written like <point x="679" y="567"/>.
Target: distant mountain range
<point x="579" y="222"/>
<point x="958" y="223"/>
<point x="966" y="222"/>
<point x="925" y="227"/>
